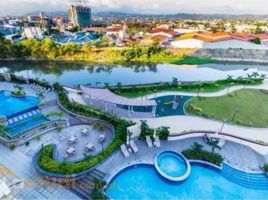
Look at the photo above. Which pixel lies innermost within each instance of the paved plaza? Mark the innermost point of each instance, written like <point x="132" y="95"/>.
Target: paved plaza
<point x="61" y="140"/>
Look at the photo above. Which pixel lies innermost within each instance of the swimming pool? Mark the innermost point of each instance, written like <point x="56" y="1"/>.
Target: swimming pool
<point x="24" y="125"/>
<point x="172" y="166"/>
<point x="10" y="105"/>
<point x="143" y="182"/>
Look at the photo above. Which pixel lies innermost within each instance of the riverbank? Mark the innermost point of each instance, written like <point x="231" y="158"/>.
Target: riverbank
<point x="48" y="50"/>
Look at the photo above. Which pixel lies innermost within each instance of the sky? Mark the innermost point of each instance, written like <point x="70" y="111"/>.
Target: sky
<point x="20" y="7"/>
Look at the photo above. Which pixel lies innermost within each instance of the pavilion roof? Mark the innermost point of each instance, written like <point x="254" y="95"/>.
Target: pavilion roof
<point x="106" y="95"/>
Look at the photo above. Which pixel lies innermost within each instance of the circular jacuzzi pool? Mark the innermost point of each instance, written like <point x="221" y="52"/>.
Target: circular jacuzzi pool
<point x="172" y="166"/>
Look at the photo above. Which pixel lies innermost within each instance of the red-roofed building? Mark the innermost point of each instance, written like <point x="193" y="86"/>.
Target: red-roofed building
<point x="161" y="31"/>
<point x="219" y="40"/>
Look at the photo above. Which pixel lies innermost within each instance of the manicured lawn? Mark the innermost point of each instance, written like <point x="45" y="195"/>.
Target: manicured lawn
<point x="188" y="60"/>
<point x="251" y="104"/>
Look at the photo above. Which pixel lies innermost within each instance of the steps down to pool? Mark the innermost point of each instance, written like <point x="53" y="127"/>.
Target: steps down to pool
<point x="84" y="186"/>
<point x="22" y="115"/>
<point x="23" y="121"/>
<point x="251" y="180"/>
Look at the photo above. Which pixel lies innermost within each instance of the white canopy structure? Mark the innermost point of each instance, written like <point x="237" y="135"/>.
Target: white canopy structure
<point x="109" y="97"/>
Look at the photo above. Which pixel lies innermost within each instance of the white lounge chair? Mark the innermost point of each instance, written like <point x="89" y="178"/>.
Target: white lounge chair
<point x="157" y="141"/>
<point x="133" y="146"/>
<point x="149" y="141"/>
<point x="124" y="150"/>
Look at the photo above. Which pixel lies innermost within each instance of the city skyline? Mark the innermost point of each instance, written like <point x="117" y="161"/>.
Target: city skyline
<point x="20" y="7"/>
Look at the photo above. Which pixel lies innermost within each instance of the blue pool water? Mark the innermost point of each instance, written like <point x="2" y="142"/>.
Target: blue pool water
<point x="171" y="164"/>
<point x="25" y="124"/>
<point x="143" y="182"/>
<point x="10" y="105"/>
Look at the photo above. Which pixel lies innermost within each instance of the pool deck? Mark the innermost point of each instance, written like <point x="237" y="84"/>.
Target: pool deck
<point x="238" y="156"/>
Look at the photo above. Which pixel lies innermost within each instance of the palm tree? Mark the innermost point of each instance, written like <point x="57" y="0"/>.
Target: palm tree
<point x="199" y="88"/>
<point x="263" y="76"/>
<point x="175" y="81"/>
<point x="229" y="79"/>
<point x="214" y="145"/>
<point x="248" y="79"/>
<point x="106" y="85"/>
<point x="2" y="127"/>
<point x="255" y="75"/>
<point x="119" y="86"/>
<point x="197" y="147"/>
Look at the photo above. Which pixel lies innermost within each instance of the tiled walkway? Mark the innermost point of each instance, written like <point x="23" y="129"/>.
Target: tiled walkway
<point x="34" y="187"/>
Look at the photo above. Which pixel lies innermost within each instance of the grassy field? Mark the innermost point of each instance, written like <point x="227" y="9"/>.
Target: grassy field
<point x="251" y="105"/>
<point x="188" y="60"/>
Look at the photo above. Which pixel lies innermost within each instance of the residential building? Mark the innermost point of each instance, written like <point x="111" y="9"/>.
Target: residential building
<point x="219" y="40"/>
<point x="33" y="32"/>
<point x="162" y="31"/>
<point x="79" y="15"/>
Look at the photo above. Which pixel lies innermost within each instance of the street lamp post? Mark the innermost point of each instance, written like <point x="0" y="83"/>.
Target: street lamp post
<point x="102" y="146"/>
<point x="235" y="113"/>
<point x="223" y="124"/>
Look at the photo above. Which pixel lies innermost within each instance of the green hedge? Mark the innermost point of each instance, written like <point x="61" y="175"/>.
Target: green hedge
<point x="197" y="153"/>
<point x="45" y="159"/>
<point x="265" y="167"/>
<point x="210" y="86"/>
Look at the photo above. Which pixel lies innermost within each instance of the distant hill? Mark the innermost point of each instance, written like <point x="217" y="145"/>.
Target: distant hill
<point x="49" y="14"/>
<point x="114" y="14"/>
<point x="178" y="16"/>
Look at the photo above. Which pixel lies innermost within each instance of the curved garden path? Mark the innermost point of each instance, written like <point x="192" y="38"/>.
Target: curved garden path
<point x="223" y="92"/>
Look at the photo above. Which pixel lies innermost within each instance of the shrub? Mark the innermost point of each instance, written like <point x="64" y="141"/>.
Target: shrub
<point x="198" y="109"/>
<point x="163" y="132"/>
<point x="145" y="130"/>
<point x="38" y="137"/>
<point x="12" y="147"/>
<point x="196" y="152"/>
<point x="265" y="168"/>
<point x="27" y="143"/>
<point x="97" y="193"/>
<point x="59" y="128"/>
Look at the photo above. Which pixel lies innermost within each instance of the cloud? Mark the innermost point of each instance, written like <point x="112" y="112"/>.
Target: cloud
<point x="19" y="7"/>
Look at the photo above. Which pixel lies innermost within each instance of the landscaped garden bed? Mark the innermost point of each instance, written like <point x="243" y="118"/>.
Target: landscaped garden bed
<point x="45" y="158"/>
<point x="196" y="152"/>
<point x="175" y="86"/>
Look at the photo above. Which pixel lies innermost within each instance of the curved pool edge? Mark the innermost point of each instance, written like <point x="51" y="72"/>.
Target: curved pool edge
<point x="170" y="178"/>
